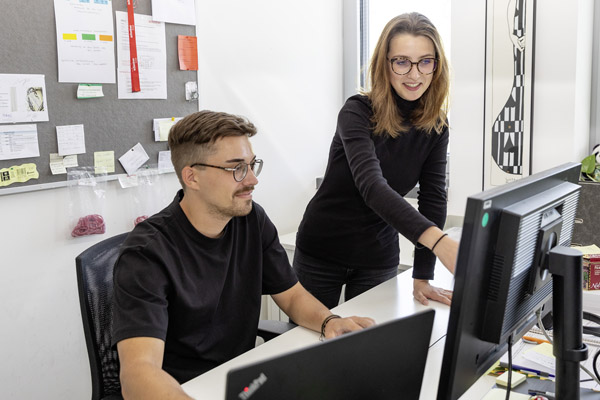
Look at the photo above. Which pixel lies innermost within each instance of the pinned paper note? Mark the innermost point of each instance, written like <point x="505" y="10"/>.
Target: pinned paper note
<point x="18" y="173"/>
<point x="127" y="181"/>
<point x="89" y="91"/>
<point x="23" y="98"/>
<point x="59" y="164"/>
<point x="162" y="127"/>
<point x="187" y="47"/>
<point x="164" y="162"/>
<point x="18" y="141"/>
<point x="71" y="139"/>
<point x="133" y="159"/>
<point x="104" y="161"/>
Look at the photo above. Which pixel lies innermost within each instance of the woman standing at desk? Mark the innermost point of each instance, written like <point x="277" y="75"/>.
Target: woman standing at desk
<point x="387" y="140"/>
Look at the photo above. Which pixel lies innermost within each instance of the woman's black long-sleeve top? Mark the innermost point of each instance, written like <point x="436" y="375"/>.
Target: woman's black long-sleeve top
<point x="354" y="218"/>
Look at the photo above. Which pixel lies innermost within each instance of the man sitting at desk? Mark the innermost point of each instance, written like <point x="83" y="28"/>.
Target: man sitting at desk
<point x="189" y="280"/>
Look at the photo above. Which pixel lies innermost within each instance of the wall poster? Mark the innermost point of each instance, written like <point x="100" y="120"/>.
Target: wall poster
<point x="510" y="37"/>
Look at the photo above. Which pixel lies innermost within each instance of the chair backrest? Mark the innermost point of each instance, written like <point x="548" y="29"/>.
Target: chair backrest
<point x="95" y="282"/>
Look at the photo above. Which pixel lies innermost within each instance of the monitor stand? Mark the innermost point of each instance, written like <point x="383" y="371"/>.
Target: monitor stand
<point x="565" y="265"/>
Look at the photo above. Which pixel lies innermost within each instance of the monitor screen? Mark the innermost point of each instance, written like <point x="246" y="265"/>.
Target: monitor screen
<point x="500" y="279"/>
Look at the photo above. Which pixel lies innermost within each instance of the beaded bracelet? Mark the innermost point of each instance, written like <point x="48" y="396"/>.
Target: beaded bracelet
<point x="324" y="324"/>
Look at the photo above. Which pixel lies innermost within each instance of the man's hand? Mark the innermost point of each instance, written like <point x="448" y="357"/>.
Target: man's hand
<point x="422" y="291"/>
<point x="339" y="326"/>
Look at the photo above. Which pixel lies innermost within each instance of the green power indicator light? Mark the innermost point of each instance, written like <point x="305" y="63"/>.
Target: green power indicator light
<point x="485" y="219"/>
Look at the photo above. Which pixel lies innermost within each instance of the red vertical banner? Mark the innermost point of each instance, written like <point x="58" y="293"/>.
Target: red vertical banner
<point x="135" y="73"/>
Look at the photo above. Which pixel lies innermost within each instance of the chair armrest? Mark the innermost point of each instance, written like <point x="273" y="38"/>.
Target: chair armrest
<point x="268" y="329"/>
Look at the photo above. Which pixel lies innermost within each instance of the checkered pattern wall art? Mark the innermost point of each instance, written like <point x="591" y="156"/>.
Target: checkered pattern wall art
<point x="509" y="82"/>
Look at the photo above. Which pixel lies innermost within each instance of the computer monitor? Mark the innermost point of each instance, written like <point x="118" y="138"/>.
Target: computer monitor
<point x="508" y="244"/>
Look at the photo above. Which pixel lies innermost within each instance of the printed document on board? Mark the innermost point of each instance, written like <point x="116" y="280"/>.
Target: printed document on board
<point x="23" y="98"/>
<point x="152" y="57"/>
<point x="85" y="41"/>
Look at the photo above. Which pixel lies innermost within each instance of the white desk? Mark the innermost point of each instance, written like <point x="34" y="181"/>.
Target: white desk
<point x="390" y="300"/>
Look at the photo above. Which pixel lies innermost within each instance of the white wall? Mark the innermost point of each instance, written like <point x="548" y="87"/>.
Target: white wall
<point x="561" y="94"/>
<point x="279" y="64"/>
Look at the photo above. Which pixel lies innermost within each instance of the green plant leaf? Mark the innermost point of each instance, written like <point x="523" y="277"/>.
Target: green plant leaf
<point x="588" y="164"/>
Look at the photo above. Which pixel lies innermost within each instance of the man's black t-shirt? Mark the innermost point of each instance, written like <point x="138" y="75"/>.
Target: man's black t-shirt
<point x="200" y="295"/>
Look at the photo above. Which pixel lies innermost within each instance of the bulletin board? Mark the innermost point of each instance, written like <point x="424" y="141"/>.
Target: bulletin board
<point x="29" y="47"/>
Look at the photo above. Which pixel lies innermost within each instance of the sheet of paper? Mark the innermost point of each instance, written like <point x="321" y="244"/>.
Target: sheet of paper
<point x="591" y="249"/>
<point x="187" y="48"/>
<point x="104" y="161"/>
<point x="164" y="162"/>
<point x="174" y="11"/>
<point x="85" y="41"/>
<point x="18" y="173"/>
<point x="127" y="181"/>
<point x="162" y="126"/>
<point x="59" y="164"/>
<point x="18" y="141"/>
<point x="133" y="159"/>
<point x="542" y="355"/>
<point x="23" y="98"/>
<point x="163" y="130"/>
<point x="152" y="59"/>
<point x="71" y="139"/>
<point x="89" y="91"/>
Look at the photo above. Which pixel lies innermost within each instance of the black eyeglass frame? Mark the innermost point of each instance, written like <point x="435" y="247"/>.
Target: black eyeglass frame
<point x="242" y="165"/>
<point x="393" y="60"/>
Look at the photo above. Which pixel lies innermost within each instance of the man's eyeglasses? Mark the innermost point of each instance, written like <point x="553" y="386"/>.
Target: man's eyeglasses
<point x="402" y="66"/>
<point x="239" y="171"/>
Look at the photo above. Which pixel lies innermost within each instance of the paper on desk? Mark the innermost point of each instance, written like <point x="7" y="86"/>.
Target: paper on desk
<point x="591" y="249"/>
<point x="541" y="354"/>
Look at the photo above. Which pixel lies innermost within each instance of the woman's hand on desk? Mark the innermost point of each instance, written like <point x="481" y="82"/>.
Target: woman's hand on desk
<point x="422" y="291"/>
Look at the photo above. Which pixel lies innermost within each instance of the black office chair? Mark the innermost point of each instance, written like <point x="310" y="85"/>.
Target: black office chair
<point x="95" y="283"/>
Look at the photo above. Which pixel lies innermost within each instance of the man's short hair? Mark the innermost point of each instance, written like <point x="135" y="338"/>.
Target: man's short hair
<point x="192" y="138"/>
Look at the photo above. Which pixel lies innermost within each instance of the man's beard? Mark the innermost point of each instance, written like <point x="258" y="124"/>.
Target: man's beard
<point x="239" y="208"/>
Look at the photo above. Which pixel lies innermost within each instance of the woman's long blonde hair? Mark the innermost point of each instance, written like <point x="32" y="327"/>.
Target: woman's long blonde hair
<point x="430" y="112"/>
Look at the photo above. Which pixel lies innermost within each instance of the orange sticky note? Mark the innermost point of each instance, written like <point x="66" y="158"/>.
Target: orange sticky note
<point x="188" y="52"/>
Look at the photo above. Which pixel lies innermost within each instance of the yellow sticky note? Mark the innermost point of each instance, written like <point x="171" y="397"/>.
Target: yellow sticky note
<point x="544" y="349"/>
<point x="104" y="161"/>
<point x="18" y="173"/>
<point x="516" y="379"/>
<point x="164" y="127"/>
